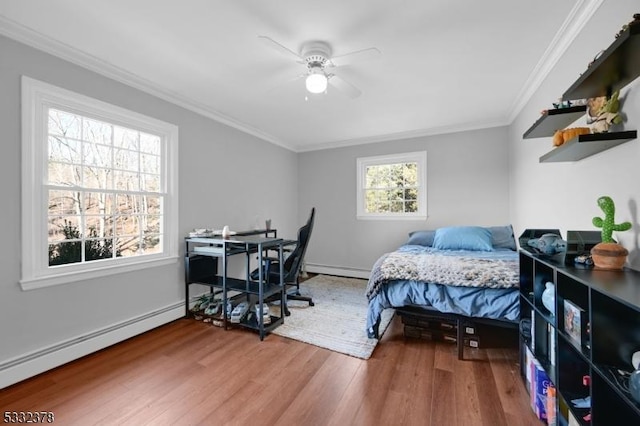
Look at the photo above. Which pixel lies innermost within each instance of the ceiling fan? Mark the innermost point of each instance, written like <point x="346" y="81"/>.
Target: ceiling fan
<point x="316" y="57"/>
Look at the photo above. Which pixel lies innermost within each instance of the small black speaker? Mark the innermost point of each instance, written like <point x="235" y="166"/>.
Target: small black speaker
<point x="579" y="243"/>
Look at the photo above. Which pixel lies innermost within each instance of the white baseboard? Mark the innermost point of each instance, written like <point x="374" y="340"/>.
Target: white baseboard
<point x="337" y="270"/>
<point x="23" y="367"/>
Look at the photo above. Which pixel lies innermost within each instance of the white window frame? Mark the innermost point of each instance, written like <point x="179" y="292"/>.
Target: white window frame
<point x="419" y="157"/>
<point x="37" y="98"/>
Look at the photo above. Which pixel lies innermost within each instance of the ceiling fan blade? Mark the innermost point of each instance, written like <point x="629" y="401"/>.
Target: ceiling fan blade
<point x="281" y="48"/>
<point x="356" y="56"/>
<point x="286" y="83"/>
<point x="344" y="86"/>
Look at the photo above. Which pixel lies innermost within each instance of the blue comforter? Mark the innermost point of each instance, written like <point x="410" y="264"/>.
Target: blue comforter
<point x="480" y="302"/>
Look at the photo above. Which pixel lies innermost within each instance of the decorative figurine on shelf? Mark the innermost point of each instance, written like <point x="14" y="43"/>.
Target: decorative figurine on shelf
<point x="607" y="115"/>
<point x="608" y="224"/>
<point x="562" y="136"/>
<point x="565" y="104"/>
<point x="562" y="104"/>
<point x="548" y="244"/>
<point x="549" y="297"/>
<point x="594" y="105"/>
<point x="636" y="21"/>
<point x="609" y="254"/>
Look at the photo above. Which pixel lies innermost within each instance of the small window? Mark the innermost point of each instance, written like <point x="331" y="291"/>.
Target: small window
<point x="392" y="186"/>
<point x="100" y="185"/>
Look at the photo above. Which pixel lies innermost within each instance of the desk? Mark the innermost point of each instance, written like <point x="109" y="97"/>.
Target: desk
<point x="265" y="232"/>
<point x="202" y="256"/>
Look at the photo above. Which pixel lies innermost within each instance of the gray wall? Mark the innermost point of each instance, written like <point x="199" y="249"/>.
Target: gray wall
<point x="225" y="177"/>
<point x="466" y="182"/>
<point x="563" y="195"/>
<point x="485" y="177"/>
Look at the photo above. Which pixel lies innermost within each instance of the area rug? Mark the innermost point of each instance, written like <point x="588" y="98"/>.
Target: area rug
<point x="337" y="321"/>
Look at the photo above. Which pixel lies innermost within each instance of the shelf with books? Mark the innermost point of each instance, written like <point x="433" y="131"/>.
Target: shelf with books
<point x="573" y="312"/>
<point x="585" y="349"/>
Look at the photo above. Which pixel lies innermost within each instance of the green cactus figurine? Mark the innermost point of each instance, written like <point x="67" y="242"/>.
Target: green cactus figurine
<point x="608" y="224"/>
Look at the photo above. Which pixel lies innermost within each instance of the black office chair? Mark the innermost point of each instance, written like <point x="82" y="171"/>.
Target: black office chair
<point x="292" y="266"/>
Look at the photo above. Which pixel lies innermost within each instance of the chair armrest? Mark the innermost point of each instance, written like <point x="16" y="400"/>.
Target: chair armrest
<point x="286" y="247"/>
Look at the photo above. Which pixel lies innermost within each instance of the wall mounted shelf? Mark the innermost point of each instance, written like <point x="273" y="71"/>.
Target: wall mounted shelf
<point x="616" y="67"/>
<point x="585" y="146"/>
<point x="554" y="119"/>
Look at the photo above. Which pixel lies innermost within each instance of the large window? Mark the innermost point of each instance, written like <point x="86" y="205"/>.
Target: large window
<point x="99" y="188"/>
<point x="392" y="186"/>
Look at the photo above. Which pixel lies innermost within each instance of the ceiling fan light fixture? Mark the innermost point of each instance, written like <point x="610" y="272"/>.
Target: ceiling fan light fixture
<point x="316" y="82"/>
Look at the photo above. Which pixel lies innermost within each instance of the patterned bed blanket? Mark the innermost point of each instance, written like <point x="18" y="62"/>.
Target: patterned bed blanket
<point x="497" y="269"/>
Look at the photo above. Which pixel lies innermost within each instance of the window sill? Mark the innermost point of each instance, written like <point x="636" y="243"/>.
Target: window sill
<point x="69" y="277"/>
<point x="422" y="218"/>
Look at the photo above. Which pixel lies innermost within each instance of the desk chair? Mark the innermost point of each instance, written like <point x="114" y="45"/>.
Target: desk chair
<point x="292" y="266"/>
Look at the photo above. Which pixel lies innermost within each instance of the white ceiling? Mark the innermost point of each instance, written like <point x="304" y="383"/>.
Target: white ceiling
<point x="445" y="65"/>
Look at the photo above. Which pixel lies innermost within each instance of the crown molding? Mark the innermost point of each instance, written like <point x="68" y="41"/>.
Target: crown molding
<point x="412" y="134"/>
<point x="580" y="14"/>
<point x="37" y="40"/>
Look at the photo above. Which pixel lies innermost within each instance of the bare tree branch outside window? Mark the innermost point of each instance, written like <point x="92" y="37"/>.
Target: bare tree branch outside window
<point x="104" y="190"/>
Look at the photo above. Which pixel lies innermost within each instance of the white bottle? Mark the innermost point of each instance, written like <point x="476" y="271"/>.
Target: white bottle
<point x="549" y="298"/>
<point x="225" y="232"/>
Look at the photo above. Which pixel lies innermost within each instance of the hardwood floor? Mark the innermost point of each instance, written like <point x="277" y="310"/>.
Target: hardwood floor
<point x="189" y="372"/>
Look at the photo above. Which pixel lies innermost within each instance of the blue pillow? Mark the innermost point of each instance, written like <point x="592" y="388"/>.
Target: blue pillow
<point x="474" y="238"/>
<point x="421" y="238"/>
<point x="502" y="237"/>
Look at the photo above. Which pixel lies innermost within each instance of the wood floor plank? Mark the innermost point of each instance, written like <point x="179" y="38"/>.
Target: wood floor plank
<point x="111" y="411"/>
<point x="188" y="372"/>
<point x="286" y="387"/>
<point x="74" y="411"/>
<point x="367" y="393"/>
<point x="445" y="359"/>
<point x="466" y="390"/>
<point x="396" y="408"/>
<point x="20" y="395"/>
<point x="443" y="404"/>
<point x="513" y="395"/>
<point x="323" y="391"/>
<point x="203" y="395"/>
<point x="491" y="410"/>
<point x="414" y="379"/>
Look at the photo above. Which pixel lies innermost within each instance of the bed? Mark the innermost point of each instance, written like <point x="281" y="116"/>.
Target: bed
<point x="462" y="271"/>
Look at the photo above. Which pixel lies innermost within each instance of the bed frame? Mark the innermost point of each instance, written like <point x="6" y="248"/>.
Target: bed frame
<point x="460" y="320"/>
